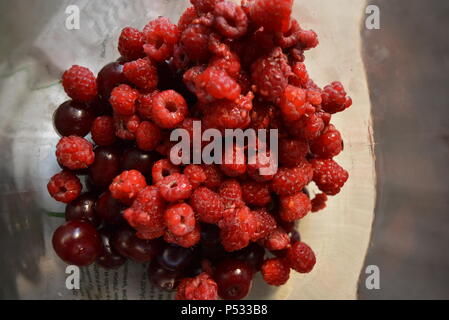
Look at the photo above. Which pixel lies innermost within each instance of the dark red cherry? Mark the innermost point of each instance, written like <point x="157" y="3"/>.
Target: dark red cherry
<point x="128" y="245"/>
<point x="83" y="208"/>
<point x="105" y="167"/>
<point x="109" y="209"/>
<point x="77" y="242"/>
<point x="234" y="279"/>
<point x="108" y="78"/>
<point x="253" y="255"/>
<point x="135" y="159"/>
<point x="161" y="278"/>
<point x="101" y="108"/>
<point x="176" y="258"/>
<point x="109" y="258"/>
<point x="73" y="118"/>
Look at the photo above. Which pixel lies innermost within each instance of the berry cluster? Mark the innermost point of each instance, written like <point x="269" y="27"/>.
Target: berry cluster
<point x="206" y="229"/>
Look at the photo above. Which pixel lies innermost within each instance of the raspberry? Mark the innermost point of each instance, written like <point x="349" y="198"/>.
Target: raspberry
<point x="163" y="168"/>
<point x="146" y="214"/>
<point x="64" y="187"/>
<point x="175" y="187"/>
<point x="214" y="176"/>
<point x="204" y="6"/>
<point x="180" y="219"/>
<point x="80" y="84"/>
<point x="300" y="257"/>
<point x="160" y="37"/>
<point x="103" y="132"/>
<point x="329" y="176"/>
<point x="314" y="97"/>
<point x="230" y="19"/>
<point x="329" y="144"/>
<point x="290" y="38"/>
<point x="126" y="126"/>
<point x="265" y="224"/>
<point x="293" y="103"/>
<point x="229" y="62"/>
<point x="190" y="77"/>
<point x="123" y="100"/>
<point x="300" y="75"/>
<point x="214" y="83"/>
<point x="309" y="127"/>
<point x="319" y="202"/>
<point x="275" y="272"/>
<point x="142" y="73"/>
<point x="292" y="152"/>
<point x="231" y="194"/>
<point x="237" y="229"/>
<point x="207" y="204"/>
<point x="289" y="181"/>
<point x="148" y="136"/>
<point x="75" y="153"/>
<point x="256" y="194"/>
<point x="236" y="167"/>
<point x="277" y="240"/>
<point x="130" y="44"/>
<point x="266" y="161"/>
<point x="169" y="109"/>
<point x="294" y="207"/>
<point x="180" y="59"/>
<point x="187" y="18"/>
<point x="201" y="287"/>
<point x="272" y="15"/>
<point x="195" y="174"/>
<point x="308" y="39"/>
<point x="144" y="104"/>
<point x="187" y="241"/>
<point x="270" y="75"/>
<point x="261" y="115"/>
<point x="335" y="98"/>
<point x="195" y="42"/>
<point x="127" y="185"/>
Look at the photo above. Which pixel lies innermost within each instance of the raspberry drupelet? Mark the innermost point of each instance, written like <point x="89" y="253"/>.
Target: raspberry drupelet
<point x="64" y="186"/>
<point x="169" y="109"/>
<point x="202" y="287"/>
<point x="141" y="73"/>
<point x="80" y="84"/>
<point x="329" y="144"/>
<point x="160" y="37"/>
<point x="300" y="257"/>
<point x="180" y="219"/>
<point x="329" y="176"/>
<point x="335" y="98"/>
<point x="294" y="207"/>
<point x="74" y="153"/>
<point x="127" y="186"/>
<point x="148" y="136"/>
<point x="272" y="15"/>
<point x="123" y="100"/>
<point x="175" y="187"/>
<point x="103" y="132"/>
<point x="275" y="272"/>
<point x="130" y="44"/>
<point x="207" y="204"/>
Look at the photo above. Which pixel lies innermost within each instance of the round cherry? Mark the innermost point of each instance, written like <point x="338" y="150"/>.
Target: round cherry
<point x="176" y="258"/>
<point x="253" y="255"/>
<point x="108" y="78"/>
<point x="109" y="258"/>
<point x="105" y="167"/>
<point x="83" y="208"/>
<point x="162" y="278"/>
<point x="136" y="159"/>
<point x="109" y="209"/>
<point x="73" y="118"/>
<point x="234" y="279"/>
<point x="128" y="245"/>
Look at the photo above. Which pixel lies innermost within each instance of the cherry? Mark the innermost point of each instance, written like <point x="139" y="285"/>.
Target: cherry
<point x="101" y="108"/>
<point x="105" y="167"/>
<point x="109" y="209"/>
<point x="77" y="242"/>
<point x="176" y="258"/>
<point x="234" y="279"/>
<point x="83" y="208"/>
<point x="109" y="258"/>
<point x="136" y="159"/>
<point x="128" y="245"/>
<point x="72" y="118"/>
<point x="162" y="278"/>
<point x="253" y="255"/>
<point x="108" y="78"/>
<point x="211" y="247"/>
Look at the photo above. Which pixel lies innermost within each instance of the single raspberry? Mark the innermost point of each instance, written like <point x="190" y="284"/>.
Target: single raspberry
<point x="146" y="214"/>
<point x="309" y="127"/>
<point x="80" y="84"/>
<point x="292" y="152"/>
<point x="329" y="176"/>
<point x="195" y="42"/>
<point x="234" y="162"/>
<point x="262" y="168"/>
<point x="270" y="75"/>
<point x="293" y="103"/>
<point x="148" y="136"/>
<point x="289" y="181"/>
<point x="335" y="98"/>
<point x="230" y="19"/>
<point x="256" y="193"/>
<point x="238" y="228"/>
<point x="294" y="207"/>
<point x="214" y="176"/>
<point x="231" y="194"/>
<point x="275" y="272"/>
<point x="328" y="145"/>
<point x="160" y="37"/>
<point x="142" y="73"/>
<point x="74" y="153"/>
<point x="191" y="75"/>
<point x="300" y="257"/>
<point x="204" y="6"/>
<point x="215" y="83"/>
<point x="169" y="109"/>
<point x="103" y="132"/>
<point x="123" y="100"/>
<point x="290" y="38"/>
<point x="229" y="62"/>
<point x="187" y="18"/>
<point x="64" y="187"/>
<point x="126" y="186"/>
<point x="126" y="126"/>
<point x="144" y="104"/>
<point x="277" y="240"/>
<point x="207" y="204"/>
<point x="130" y="44"/>
<point x="175" y="187"/>
<point x="180" y="219"/>
<point x="265" y="224"/>
<point x="202" y="287"/>
<point x="162" y="169"/>
<point x="272" y="15"/>
<point x="195" y="174"/>
<point x="187" y="241"/>
<point x="308" y="39"/>
<point x="319" y="202"/>
<point x="300" y="75"/>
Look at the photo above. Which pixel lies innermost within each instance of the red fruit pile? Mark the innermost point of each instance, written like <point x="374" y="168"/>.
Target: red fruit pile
<point x="205" y="228"/>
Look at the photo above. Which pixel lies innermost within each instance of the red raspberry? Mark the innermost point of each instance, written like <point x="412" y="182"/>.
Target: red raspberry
<point x="300" y="257"/>
<point x="64" y="187"/>
<point x="142" y="73"/>
<point x="187" y="241"/>
<point x="123" y="100"/>
<point x="195" y="174"/>
<point x="175" y="187"/>
<point x="214" y="83"/>
<point x="275" y="272"/>
<point x="207" y="204"/>
<point x="329" y="144"/>
<point x="231" y="194"/>
<point x="290" y="181"/>
<point x="294" y="207"/>
<point x="163" y="168"/>
<point x="145" y="103"/>
<point x="195" y="42"/>
<point x="204" y="6"/>
<point x="293" y="103"/>
<point x="319" y="202"/>
<point x="261" y="115"/>
<point x="103" y="132"/>
<point x="272" y="15"/>
<point x="308" y="39"/>
<point x="300" y="75"/>
<point x="130" y="44"/>
<point x="265" y="224"/>
<point x="290" y="38"/>
<point x="127" y="185"/>
<point x="126" y="126"/>
<point x="180" y="219"/>
<point x="80" y="84"/>
<point x="256" y="194"/>
<point x="160" y="37"/>
<point x="229" y="62"/>
<point x="214" y="176"/>
<point x="201" y="287"/>
<point x="329" y="176"/>
<point x="190" y="77"/>
<point x="270" y="75"/>
<point x="335" y="98"/>
<point x="314" y="97"/>
<point x="75" y="153"/>
<point x="277" y="240"/>
<point x="292" y="152"/>
<point x="309" y="127"/>
<point x="146" y="214"/>
<point x="180" y="59"/>
<point x="148" y="136"/>
<point x="236" y="167"/>
<point x="169" y="109"/>
<point x="187" y="18"/>
<point x="238" y="228"/>
<point x="230" y="19"/>
<point x="255" y="168"/>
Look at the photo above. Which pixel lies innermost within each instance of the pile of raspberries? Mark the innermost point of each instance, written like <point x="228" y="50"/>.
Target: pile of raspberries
<point x="231" y="67"/>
